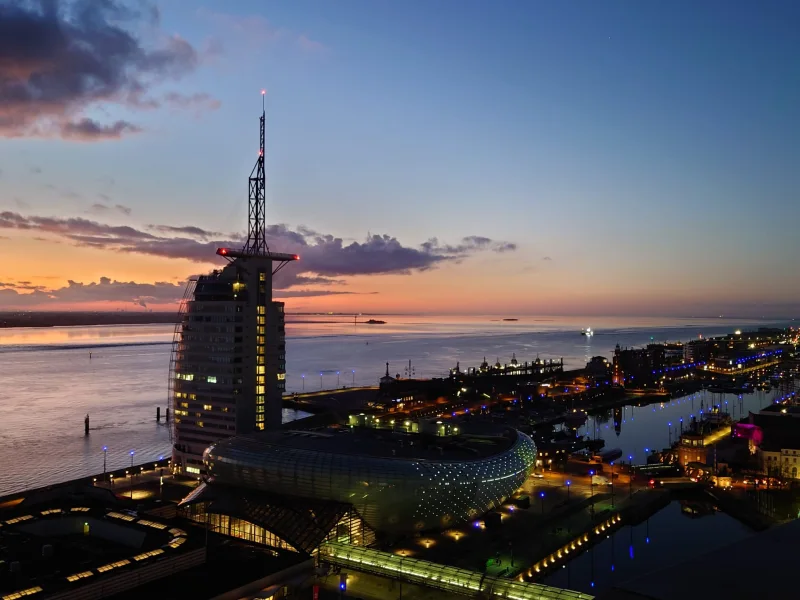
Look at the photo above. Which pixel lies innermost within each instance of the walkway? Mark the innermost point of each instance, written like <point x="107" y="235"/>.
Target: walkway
<point x="442" y="577"/>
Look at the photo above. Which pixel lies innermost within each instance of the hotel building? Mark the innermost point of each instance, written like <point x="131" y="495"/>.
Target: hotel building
<point x="228" y="364"/>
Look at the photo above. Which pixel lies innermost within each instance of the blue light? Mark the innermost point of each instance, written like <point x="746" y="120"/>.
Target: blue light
<point x="105" y="448"/>
<point x="568" y="482"/>
<point x="541" y="494"/>
<point x="160" y="458"/>
<point x="647" y="540"/>
<point x="132" y="453"/>
<point x="342" y="586"/>
<point x="593" y="584"/>
<point x="630" y="551"/>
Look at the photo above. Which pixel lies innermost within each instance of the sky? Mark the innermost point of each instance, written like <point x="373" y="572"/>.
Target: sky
<point x="459" y="156"/>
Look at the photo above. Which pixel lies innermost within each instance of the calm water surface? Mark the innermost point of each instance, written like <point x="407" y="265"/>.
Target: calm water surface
<point x="49" y="383"/>
<point x="668" y="538"/>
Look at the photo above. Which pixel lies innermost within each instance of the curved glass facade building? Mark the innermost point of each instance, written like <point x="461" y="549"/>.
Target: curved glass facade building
<point x="396" y="483"/>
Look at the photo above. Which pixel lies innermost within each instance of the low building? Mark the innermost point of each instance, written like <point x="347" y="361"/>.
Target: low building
<point x="296" y="488"/>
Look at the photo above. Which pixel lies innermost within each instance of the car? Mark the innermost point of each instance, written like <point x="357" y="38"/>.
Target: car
<point x="539" y="475"/>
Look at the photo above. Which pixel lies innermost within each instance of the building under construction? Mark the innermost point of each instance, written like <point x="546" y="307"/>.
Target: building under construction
<point x="228" y="367"/>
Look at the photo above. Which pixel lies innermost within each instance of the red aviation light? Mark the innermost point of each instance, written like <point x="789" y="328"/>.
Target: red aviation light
<point x="296" y="257"/>
<point x="222" y="251"/>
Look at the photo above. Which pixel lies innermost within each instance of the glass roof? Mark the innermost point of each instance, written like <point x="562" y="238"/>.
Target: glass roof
<point x="443" y="577"/>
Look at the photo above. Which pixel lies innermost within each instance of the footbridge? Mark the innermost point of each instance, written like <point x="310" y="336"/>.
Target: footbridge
<point x="441" y="577"/>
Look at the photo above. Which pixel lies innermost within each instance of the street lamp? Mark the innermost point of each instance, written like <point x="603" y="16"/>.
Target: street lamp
<point x="132" y="453"/>
<point x="591" y="488"/>
<point x="303" y="377"/>
<point x="541" y="495"/>
<point x="354" y="378"/>
<point x="105" y="452"/>
<point x="337" y="380"/>
<point x="669" y="425"/>
<point x="320" y="380"/>
<point x="568" y="482"/>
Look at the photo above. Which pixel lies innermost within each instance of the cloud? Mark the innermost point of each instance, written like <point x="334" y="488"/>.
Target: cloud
<point x="547" y="258"/>
<point x="323" y="257"/>
<point x="188" y="230"/>
<point x="60" y="59"/>
<point x="125" y="210"/>
<point x="105" y="290"/>
<point x="24" y="295"/>
<point x="89" y="130"/>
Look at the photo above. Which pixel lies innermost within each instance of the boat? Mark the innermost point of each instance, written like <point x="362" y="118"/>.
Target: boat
<point x="375" y="322"/>
<point x="587" y="332"/>
<point x="510" y="319"/>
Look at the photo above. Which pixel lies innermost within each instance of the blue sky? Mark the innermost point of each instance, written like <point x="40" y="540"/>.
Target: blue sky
<point x="647" y="149"/>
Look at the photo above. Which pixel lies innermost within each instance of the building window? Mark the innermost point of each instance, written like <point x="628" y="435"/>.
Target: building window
<point x="212" y="379"/>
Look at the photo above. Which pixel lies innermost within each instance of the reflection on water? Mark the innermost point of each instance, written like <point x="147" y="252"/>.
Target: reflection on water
<point x="666" y="539"/>
<point x="639" y="430"/>
<point x="50" y="383"/>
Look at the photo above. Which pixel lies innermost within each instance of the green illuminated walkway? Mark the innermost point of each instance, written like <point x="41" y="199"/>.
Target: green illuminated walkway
<point x="441" y="577"/>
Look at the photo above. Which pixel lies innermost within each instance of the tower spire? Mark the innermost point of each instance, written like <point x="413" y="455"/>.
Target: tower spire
<point x="256" y="203"/>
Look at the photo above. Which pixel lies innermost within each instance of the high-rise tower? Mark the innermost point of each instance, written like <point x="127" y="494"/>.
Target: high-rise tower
<point x="228" y="367"/>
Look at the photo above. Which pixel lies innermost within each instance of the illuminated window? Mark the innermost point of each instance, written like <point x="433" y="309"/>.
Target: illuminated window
<point x="193" y="470"/>
<point x="260" y="370"/>
<point x="262" y="310"/>
<point x="281" y="376"/>
<point x="260" y="320"/>
<point x="260" y="330"/>
<point x="199" y="423"/>
<point x="259" y="389"/>
<point x="212" y="379"/>
<point x="155" y="552"/>
<point x="260" y="340"/>
<point x="207" y="407"/>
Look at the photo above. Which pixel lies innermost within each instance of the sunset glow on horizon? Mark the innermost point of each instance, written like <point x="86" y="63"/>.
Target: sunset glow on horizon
<point x="620" y="159"/>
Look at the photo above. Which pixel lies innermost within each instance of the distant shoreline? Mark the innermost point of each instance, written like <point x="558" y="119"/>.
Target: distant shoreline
<point x="93" y="319"/>
<point x="83" y="319"/>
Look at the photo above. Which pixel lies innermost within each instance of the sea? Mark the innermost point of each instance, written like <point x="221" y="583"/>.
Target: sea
<point x="51" y="378"/>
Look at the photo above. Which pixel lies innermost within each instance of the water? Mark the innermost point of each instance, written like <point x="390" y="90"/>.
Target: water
<point x="50" y="384"/>
<point x="640" y="430"/>
<point x="669" y="537"/>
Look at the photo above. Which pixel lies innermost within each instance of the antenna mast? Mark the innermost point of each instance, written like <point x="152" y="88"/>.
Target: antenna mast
<point x="256" y="204"/>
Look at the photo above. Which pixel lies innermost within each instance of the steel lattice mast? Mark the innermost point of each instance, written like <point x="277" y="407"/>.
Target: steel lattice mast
<point x="257" y="203"/>
<point x="256" y="244"/>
